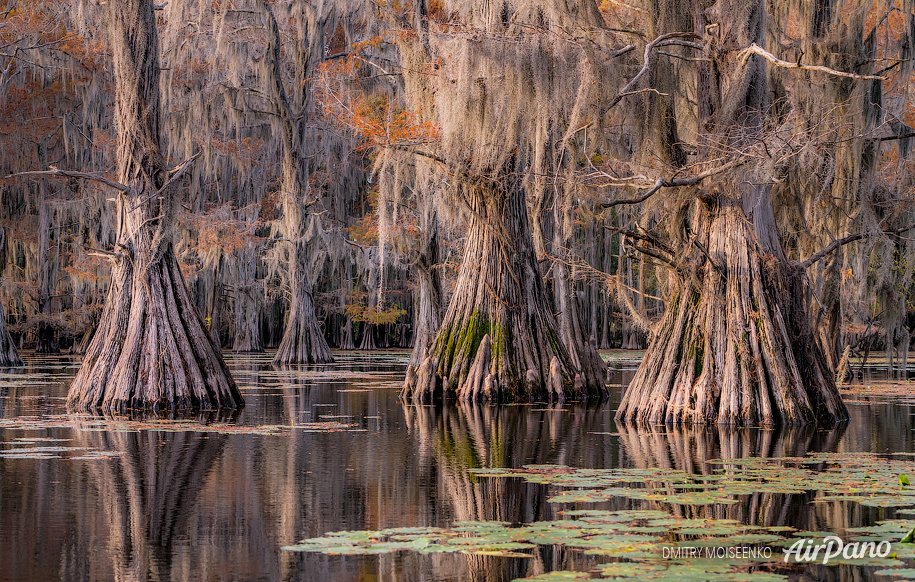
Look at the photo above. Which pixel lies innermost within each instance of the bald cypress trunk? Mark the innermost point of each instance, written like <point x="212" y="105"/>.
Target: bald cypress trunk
<point x="46" y="336"/>
<point x="247" y="314"/>
<point x="499" y="339"/>
<point x="428" y="316"/>
<point x="151" y="349"/>
<point x="735" y="345"/>
<point x="303" y="342"/>
<point x="9" y="357"/>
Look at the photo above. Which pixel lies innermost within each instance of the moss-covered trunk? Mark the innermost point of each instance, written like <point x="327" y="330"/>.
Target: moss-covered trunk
<point x="499" y="337"/>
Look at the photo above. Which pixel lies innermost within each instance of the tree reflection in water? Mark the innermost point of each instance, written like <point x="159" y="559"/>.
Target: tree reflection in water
<point x="202" y="506"/>
<point x="149" y="494"/>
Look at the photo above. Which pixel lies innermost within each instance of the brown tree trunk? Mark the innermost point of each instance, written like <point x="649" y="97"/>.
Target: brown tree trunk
<point x="247" y="314"/>
<point x="9" y="357"/>
<point x="368" y="338"/>
<point x="303" y="342"/>
<point x="735" y="345"/>
<point x="151" y="348"/>
<point x="428" y="299"/>
<point x="736" y="348"/>
<point x="499" y="337"/>
<point x="346" y="336"/>
<point x="582" y="348"/>
<point x="47" y="339"/>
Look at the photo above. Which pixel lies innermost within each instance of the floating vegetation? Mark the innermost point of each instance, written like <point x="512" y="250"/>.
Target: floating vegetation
<point x="96" y="423"/>
<point x="868" y="479"/>
<point x="899" y="391"/>
<point x="640" y="536"/>
<point x="51" y="452"/>
<point x="648" y="538"/>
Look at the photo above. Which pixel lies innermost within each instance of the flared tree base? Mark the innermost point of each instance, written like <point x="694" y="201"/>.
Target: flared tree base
<point x="303" y="342"/>
<point x="737" y="348"/>
<point x="9" y="357"/>
<point x="151" y="349"/>
<point x="499" y="340"/>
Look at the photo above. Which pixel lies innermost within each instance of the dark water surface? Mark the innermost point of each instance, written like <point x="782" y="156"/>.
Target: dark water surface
<point x="188" y="505"/>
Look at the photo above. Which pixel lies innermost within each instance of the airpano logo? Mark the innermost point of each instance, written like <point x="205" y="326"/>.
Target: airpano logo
<point x="833" y="547"/>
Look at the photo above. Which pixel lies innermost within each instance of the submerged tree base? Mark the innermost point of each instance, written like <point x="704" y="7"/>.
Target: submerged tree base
<point x="151" y="350"/>
<point x="737" y="348"/>
<point x="499" y="340"/>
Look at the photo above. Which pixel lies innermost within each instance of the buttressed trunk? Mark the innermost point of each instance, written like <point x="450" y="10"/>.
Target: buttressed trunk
<point x="428" y="297"/>
<point x="8" y="355"/>
<point x="303" y="341"/>
<point x="151" y="349"/>
<point x="735" y="345"/>
<point x="499" y="339"/>
<point x="247" y="314"/>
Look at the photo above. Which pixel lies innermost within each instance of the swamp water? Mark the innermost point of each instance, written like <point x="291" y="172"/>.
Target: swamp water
<point x="330" y="449"/>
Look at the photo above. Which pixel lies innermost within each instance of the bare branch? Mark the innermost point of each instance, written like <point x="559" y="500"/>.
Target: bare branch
<point x="849" y="239"/>
<point x="662" y="183"/>
<point x="648" y="62"/>
<point x="642" y="237"/>
<point x="71" y="174"/>
<point x="755" y="49"/>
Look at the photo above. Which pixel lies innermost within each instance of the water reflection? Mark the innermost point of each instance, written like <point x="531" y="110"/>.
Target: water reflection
<point x="149" y="495"/>
<point x="204" y="506"/>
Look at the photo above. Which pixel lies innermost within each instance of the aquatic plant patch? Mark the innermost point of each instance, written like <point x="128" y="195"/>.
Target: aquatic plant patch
<point x="868" y="479"/>
<point x="95" y="423"/>
<point x="656" y="544"/>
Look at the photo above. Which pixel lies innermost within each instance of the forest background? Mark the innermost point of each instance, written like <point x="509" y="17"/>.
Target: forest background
<point x="330" y="182"/>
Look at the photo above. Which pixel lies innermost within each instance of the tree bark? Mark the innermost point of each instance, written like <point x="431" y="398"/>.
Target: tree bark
<point x="9" y="357"/>
<point x="735" y="345"/>
<point x="46" y="336"/>
<point x="368" y="337"/>
<point x="151" y="349"/>
<point x="429" y="298"/>
<point x="582" y="351"/>
<point x="303" y="342"/>
<point x="247" y="314"/>
<point x="737" y="348"/>
<point x="500" y="302"/>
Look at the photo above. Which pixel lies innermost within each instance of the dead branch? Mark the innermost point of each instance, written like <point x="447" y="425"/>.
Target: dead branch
<point x="755" y="49"/>
<point x="680" y="182"/>
<point x="648" y="61"/>
<point x="71" y="174"/>
<point x="642" y="237"/>
<point x="849" y="239"/>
